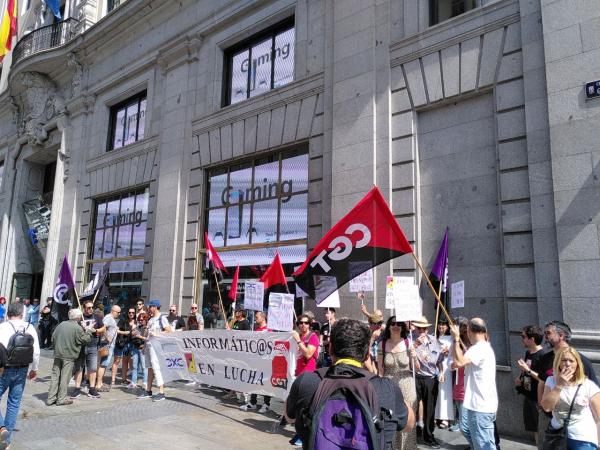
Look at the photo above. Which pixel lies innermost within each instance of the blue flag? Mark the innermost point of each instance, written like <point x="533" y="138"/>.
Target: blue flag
<point x="54" y="6"/>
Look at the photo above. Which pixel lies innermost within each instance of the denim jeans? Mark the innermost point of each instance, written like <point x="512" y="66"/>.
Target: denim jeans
<point x="572" y="444"/>
<point x="137" y="358"/>
<point x="478" y="429"/>
<point x="13" y="379"/>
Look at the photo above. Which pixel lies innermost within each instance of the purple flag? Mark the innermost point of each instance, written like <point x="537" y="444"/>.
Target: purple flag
<point x="62" y="292"/>
<point x="439" y="271"/>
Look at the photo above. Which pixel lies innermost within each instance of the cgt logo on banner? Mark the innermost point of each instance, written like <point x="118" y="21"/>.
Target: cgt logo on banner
<point x="245" y="361"/>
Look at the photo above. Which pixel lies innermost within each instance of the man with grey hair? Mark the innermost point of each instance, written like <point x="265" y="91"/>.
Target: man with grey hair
<point x="108" y="339"/>
<point x="557" y="335"/>
<point x="23" y="354"/>
<point x="68" y="337"/>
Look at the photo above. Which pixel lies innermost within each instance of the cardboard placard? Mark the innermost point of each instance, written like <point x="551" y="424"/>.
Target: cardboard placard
<point x="457" y="297"/>
<point x="254" y="292"/>
<point x="362" y="282"/>
<point x="281" y="312"/>
<point x="333" y="301"/>
<point x="407" y="302"/>
<point x="391" y="287"/>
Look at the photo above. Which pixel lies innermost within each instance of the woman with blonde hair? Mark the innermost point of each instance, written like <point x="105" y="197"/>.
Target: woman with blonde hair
<point x="573" y="401"/>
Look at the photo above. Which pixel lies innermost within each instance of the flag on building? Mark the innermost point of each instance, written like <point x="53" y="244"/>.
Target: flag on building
<point x="364" y="238"/>
<point x="54" y="6"/>
<point x="439" y="271"/>
<point x="213" y="262"/>
<point x="8" y="27"/>
<point x="232" y="294"/>
<point x="64" y="289"/>
<point x="274" y="274"/>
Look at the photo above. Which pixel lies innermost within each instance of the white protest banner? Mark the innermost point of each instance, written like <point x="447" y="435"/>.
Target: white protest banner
<point x="407" y="302"/>
<point x="363" y="282"/>
<point x="333" y="301"/>
<point x="391" y="287"/>
<point x="457" y="297"/>
<point x="245" y="361"/>
<point x="254" y="292"/>
<point x="280" y="315"/>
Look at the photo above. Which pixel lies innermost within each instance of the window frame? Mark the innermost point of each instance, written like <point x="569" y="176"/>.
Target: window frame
<point x="433" y="10"/>
<point x="247" y="44"/>
<point x="113" y="113"/>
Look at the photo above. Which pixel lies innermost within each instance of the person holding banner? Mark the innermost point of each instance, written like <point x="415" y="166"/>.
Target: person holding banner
<point x="308" y="344"/>
<point x="395" y="359"/>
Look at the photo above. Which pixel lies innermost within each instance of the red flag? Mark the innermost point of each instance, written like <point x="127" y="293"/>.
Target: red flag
<point x="233" y="290"/>
<point x="212" y="257"/>
<point x="364" y="238"/>
<point x="274" y="274"/>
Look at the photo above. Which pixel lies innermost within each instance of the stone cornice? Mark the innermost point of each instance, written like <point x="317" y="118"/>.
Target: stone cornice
<point x="448" y="33"/>
<point x="271" y="100"/>
<point x="122" y="154"/>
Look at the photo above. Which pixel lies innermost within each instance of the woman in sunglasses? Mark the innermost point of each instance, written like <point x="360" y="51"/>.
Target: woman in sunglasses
<point x="139" y="335"/>
<point x="395" y="359"/>
<point x="123" y="345"/>
<point x="308" y="343"/>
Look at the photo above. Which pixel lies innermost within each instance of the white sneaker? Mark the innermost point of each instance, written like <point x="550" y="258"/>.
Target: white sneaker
<point x="263" y="409"/>
<point x="248" y="407"/>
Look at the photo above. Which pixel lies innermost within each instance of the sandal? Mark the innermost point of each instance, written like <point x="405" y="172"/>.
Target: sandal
<point x="104" y="388"/>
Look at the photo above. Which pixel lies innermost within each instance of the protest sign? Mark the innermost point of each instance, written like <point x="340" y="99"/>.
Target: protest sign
<point x="254" y="292"/>
<point x="281" y="312"/>
<point x="392" y="284"/>
<point x="407" y="302"/>
<point x="457" y="298"/>
<point x="362" y="282"/>
<point x="333" y="301"/>
<point x="244" y="361"/>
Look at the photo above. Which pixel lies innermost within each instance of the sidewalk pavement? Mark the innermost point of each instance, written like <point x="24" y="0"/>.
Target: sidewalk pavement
<point x="188" y="419"/>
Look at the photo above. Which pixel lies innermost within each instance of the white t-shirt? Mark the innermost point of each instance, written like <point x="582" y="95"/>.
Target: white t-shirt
<point x="480" y="379"/>
<point x="111" y="328"/>
<point x="154" y="326"/>
<point x="582" y="426"/>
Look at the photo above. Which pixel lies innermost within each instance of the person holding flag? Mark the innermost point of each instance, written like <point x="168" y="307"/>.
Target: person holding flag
<point x="215" y="266"/>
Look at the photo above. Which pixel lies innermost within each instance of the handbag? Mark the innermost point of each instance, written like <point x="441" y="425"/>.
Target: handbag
<point x="556" y="438"/>
<point x="103" y="351"/>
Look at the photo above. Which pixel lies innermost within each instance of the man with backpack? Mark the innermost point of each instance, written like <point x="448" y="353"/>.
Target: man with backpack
<point x="23" y="353"/>
<point x="346" y="406"/>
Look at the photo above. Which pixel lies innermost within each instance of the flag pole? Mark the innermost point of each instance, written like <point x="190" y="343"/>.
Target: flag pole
<point x="77" y="298"/>
<point x="437" y="297"/>
<point x="437" y="311"/>
<point x="220" y="299"/>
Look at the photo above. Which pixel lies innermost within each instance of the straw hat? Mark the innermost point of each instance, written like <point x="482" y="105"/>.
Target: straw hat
<point x="421" y="323"/>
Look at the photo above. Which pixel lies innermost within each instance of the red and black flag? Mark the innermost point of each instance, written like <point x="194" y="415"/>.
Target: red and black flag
<point x="364" y="238"/>
<point x="213" y="262"/>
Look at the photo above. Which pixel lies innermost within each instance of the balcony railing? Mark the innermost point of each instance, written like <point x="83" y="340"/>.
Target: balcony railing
<point x="45" y="38"/>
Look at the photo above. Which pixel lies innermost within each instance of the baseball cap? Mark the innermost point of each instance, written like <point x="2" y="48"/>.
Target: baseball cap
<point x="154" y="303"/>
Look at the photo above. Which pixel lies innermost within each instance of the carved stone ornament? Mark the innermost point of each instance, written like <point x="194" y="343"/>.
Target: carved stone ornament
<point x="36" y="106"/>
<point x="74" y="64"/>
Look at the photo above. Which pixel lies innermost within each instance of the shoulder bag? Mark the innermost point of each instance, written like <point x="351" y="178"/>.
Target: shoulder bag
<point x="556" y="438"/>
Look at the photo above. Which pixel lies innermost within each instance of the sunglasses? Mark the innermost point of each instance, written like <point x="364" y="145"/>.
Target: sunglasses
<point x="172" y="310"/>
<point x="89" y="307"/>
<point x="301" y="322"/>
<point x="396" y="324"/>
<point x="194" y="307"/>
<point x="131" y="312"/>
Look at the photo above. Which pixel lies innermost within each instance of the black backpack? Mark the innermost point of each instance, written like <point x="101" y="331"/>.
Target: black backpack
<point x="345" y="411"/>
<point x="20" y="348"/>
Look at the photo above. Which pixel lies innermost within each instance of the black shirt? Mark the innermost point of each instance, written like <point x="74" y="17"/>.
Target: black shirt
<point x="241" y="325"/>
<point x="94" y="321"/>
<point x="546" y="367"/>
<point x="529" y="383"/>
<point x="176" y="322"/>
<point x="390" y="397"/>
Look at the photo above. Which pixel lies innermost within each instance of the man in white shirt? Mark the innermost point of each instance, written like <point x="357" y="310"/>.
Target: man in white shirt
<point x="22" y="363"/>
<point x="481" y="399"/>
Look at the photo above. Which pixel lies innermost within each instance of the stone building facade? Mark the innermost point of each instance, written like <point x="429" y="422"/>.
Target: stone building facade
<point x="470" y="115"/>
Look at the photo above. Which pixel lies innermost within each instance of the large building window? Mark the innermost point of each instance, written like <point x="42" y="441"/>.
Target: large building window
<point x="119" y="237"/>
<point x="441" y="10"/>
<point x="127" y="122"/>
<point x="262" y="63"/>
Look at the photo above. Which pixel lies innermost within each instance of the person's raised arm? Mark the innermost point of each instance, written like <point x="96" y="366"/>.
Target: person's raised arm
<point x="460" y="360"/>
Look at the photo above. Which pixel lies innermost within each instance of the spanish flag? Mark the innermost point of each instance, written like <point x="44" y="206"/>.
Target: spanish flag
<point x="8" y="27"/>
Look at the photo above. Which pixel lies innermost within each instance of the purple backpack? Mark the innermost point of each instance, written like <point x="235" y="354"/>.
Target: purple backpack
<point x="345" y="411"/>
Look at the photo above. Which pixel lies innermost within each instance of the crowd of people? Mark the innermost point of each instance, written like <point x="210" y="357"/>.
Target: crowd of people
<point x="437" y="377"/>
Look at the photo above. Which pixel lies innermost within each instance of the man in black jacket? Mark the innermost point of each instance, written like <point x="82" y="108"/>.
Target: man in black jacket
<point x="349" y="348"/>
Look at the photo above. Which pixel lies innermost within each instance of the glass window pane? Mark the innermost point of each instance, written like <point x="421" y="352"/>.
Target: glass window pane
<point x="127" y="214"/>
<point x="131" y="125"/>
<point x="217" y="190"/>
<point x="100" y="214"/>
<point x="294" y="174"/>
<point x="238" y="224"/>
<point x="260" y="68"/>
<point x="141" y="205"/>
<point x="138" y="244"/>
<point x="119" y="124"/>
<point x="97" y="247"/>
<point x="216" y="227"/>
<point x="112" y="213"/>
<point x="110" y="242"/>
<point x="240" y="181"/>
<point x="264" y="221"/>
<point x="142" y="120"/>
<point x="284" y="58"/>
<point x="266" y="179"/>
<point x="293" y="217"/>
<point x="124" y="241"/>
<point x="239" y="77"/>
